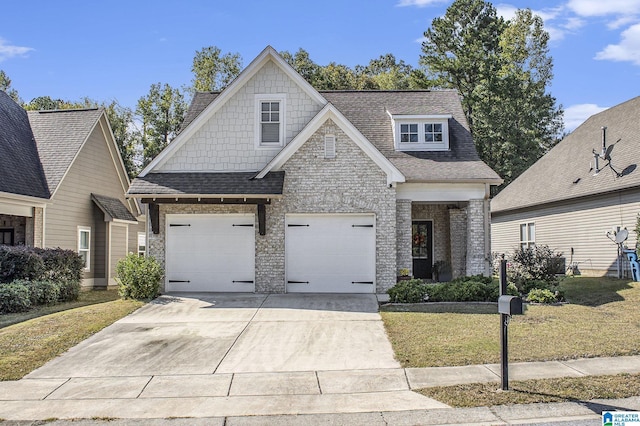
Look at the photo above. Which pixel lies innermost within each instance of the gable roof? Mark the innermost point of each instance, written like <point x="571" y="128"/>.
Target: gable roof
<point x="329" y="112"/>
<point x="370" y="111"/>
<point x="563" y="173"/>
<point x="268" y="54"/>
<point x="59" y="135"/>
<point x="22" y="172"/>
<point x="113" y="208"/>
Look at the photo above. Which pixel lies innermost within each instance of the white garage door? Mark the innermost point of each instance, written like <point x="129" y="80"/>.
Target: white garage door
<point x="210" y="252"/>
<point x="330" y="253"/>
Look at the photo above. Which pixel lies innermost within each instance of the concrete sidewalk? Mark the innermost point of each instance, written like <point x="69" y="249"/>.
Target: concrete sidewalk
<point x="355" y="396"/>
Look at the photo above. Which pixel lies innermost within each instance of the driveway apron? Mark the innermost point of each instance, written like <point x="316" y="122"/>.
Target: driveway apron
<point x="233" y="333"/>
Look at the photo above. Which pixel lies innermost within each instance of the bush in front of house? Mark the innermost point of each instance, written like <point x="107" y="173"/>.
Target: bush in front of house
<point x="409" y="291"/>
<point x="476" y="288"/>
<point x="20" y="263"/>
<point x="542" y="295"/>
<point x="41" y="292"/>
<point x="532" y="264"/>
<point x="138" y="277"/>
<point x="14" y="297"/>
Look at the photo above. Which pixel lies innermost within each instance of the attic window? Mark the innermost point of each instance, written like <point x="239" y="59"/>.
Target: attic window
<point x="421" y="132"/>
<point x="329" y="146"/>
<point x="270" y="120"/>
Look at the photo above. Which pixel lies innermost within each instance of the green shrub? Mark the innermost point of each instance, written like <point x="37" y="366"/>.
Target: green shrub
<point x="542" y="295"/>
<point x="19" y="263"/>
<point x="41" y="292"/>
<point x="537" y="263"/>
<point x="69" y="290"/>
<point x="14" y="298"/>
<point x="475" y="288"/>
<point x="408" y="291"/>
<point x="138" y="277"/>
<point x="61" y="265"/>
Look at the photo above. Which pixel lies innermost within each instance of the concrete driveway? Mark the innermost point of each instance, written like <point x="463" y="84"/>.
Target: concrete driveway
<point x="234" y="333"/>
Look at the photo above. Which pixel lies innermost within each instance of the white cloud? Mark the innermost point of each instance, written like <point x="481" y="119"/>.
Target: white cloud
<point x="9" y="51"/>
<point x="507" y="11"/>
<point x="419" y="3"/>
<point x="628" y="50"/>
<point x="575" y="115"/>
<point x="603" y="8"/>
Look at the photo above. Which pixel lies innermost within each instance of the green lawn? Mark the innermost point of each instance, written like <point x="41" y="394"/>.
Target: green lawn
<point x="602" y="319"/>
<point x="39" y="336"/>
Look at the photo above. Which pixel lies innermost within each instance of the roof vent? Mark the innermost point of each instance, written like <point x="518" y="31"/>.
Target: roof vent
<point x="329" y="146"/>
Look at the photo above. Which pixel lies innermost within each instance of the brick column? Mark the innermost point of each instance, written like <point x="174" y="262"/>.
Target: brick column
<point x="38" y="227"/>
<point x="476" y="238"/>
<point x="403" y="235"/>
<point x="458" y="237"/>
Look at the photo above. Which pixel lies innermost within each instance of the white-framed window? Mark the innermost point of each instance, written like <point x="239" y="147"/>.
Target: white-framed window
<point x="527" y="235"/>
<point x="421" y="133"/>
<point x="270" y="120"/>
<point x="142" y="243"/>
<point x="84" y="246"/>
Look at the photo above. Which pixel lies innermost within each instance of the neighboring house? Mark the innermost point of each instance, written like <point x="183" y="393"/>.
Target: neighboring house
<point x="562" y="202"/>
<point x="272" y="186"/>
<point x="63" y="184"/>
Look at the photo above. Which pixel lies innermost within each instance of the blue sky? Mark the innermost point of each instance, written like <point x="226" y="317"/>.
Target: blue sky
<point x="115" y="50"/>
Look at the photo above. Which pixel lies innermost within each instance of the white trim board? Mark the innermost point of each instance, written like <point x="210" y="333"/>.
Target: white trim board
<point x="440" y="192"/>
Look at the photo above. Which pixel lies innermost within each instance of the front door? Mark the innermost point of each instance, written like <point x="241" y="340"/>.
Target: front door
<point x="422" y="248"/>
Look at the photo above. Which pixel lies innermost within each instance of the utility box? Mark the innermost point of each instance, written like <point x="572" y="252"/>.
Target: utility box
<point x="510" y="305"/>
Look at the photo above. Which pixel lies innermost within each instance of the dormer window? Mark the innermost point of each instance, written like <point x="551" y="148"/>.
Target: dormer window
<point x="270" y="116"/>
<point x="421" y="133"/>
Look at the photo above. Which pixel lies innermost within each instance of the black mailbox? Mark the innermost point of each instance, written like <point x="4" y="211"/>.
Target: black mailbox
<point x="510" y="305"/>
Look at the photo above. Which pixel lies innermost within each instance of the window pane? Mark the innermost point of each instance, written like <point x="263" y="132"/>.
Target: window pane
<point x="404" y="137"/>
<point x="265" y="106"/>
<point x="438" y="137"/>
<point x="437" y="128"/>
<point x="413" y="128"/>
<point x="404" y="128"/>
<point x="265" y="117"/>
<point x="275" y="116"/>
<point x="83" y="255"/>
<point x="523" y="232"/>
<point x="532" y="232"/>
<point x="271" y="133"/>
<point x="414" y="137"/>
<point x="84" y="240"/>
<point x="428" y="128"/>
<point x="428" y="137"/>
<point x="275" y="106"/>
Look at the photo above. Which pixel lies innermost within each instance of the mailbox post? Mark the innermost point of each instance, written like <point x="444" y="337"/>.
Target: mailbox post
<point x="507" y="306"/>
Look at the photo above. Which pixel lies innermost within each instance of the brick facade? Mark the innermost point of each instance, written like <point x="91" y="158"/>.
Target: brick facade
<point x="403" y="235"/>
<point x="19" y="226"/>
<point x="477" y="258"/>
<point x="349" y="183"/>
<point x="439" y="215"/>
<point x="458" y="238"/>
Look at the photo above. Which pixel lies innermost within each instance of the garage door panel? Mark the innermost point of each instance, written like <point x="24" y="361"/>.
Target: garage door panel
<point x="328" y="253"/>
<point x="212" y="253"/>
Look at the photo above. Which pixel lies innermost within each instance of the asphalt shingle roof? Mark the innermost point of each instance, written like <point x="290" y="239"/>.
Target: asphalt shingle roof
<point x="233" y="183"/>
<point x="113" y="207"/>
<point x="563" y="173"/>
<point x="367" y="111"/>
<point x="59" y="135"/>
<point x="21" y="171"/>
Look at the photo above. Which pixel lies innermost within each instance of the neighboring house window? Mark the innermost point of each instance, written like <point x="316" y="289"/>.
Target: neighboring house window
<point x="6" y="236"/>
<point x="142" y="246"/>
<point x="270" y="111"/>
<point x="527" y="235"/>
<point x="421" y="133"/>
<point x="84" y="246"/>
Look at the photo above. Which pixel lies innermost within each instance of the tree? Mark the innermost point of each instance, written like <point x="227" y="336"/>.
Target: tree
<point x="161" y="112"/>
<point x="121" y="121"/>
<point x="213" y="71"/>
<point x="5" y="86"/>
<point x="502" y="70"/>
<point x="302" y="63"/>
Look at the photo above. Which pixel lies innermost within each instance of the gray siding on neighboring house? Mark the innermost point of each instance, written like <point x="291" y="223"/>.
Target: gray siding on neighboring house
<point x="578" y="224"/>
<point x="118" y="246"/>
<point x="93" y="171"/>
<point x="99" y="240"/>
